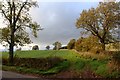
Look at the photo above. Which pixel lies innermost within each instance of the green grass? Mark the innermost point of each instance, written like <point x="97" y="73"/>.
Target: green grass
<point x="73" y="61"/>
<point x="60" y="66"/>
<point x="70" y="56"/>
<point x="78" y="64"/>
<point x="96" y="63"/>
<point x="57" y="68"/>
<point x="65" y="54"/>
<point x="102" y="70"/>
<point x="4" y="55"/>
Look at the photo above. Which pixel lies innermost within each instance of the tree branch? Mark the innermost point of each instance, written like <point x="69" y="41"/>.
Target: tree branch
<point x="14" y="17"/>
<point x="5" y="15"/>
<point x="8" y="40"/>
<point x="93" y="31"/>
<point x="9" y="3"/>
<point x="20" y="10"/>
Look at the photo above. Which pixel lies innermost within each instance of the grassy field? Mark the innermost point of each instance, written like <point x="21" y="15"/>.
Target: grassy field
<point x="65" y="54"/>
<point x="77" y="62"/>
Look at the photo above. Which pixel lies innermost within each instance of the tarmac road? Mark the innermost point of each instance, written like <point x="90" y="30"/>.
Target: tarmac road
<point x="9" y="74"/>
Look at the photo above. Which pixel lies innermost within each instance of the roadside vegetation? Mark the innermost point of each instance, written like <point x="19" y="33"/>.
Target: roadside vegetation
<point x="51" y="62"/>
<point x="90" y="56"/>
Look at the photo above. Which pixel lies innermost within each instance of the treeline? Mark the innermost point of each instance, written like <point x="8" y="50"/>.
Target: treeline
<point x="89" y="44"/>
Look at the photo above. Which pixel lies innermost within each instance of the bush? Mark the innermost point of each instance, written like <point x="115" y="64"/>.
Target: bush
<point x="71" y="44"/>
<point x="57" y="68"/>
<point x="35" y="47"/>
<point x="4" y="61"/>
<point x="38" y="63"/>
<point x="116" y="60"/>
<point x="90" y="43"/>
<point x="116" y="57"/>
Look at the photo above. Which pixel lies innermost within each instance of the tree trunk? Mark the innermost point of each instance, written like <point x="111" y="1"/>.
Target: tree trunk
<point x="103" y="46"/>
<point x="11" y="49"/>
<point x="11" y="52"/>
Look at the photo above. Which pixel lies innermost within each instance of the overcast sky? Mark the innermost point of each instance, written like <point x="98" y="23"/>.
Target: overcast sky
<point x="58" y="20"/>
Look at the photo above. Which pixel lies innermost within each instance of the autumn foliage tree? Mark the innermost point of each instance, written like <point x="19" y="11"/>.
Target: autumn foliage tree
<point x="90" y="44"/>
<point x="101" y="21"/>
<point x="71" y="44"/>
<point x="17" y="18"/>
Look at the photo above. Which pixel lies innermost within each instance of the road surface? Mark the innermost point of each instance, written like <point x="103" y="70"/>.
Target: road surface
<point x="9" y="74"/>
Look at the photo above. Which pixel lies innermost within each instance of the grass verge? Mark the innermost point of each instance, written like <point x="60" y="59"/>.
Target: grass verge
<point x="59" y="67"/>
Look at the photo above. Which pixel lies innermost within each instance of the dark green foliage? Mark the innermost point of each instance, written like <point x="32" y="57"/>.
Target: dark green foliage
<point x="71" y="44"/>
<point x="116" y="57"/>
<point x="17" y="18"/>
<point x="48" y="65"/>
<point x="102" y="70"/>
<point x="4" y="61"/>
<point x="57" y="45"/>
<point x="35" y="47"/>
<point x="67" y="60"/>
<point x="115" y="74"/>
<point x="60" y="66"/>
<point x="38" y="63"/>
<point x="95" y="64"/>
<point x="79" y="64"/>
<point x="48" y="47"/>
<point x="116" y="60"/>
<point x="55" y="69"/>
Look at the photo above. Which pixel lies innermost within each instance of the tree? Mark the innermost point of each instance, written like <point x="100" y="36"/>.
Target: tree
<point x="19" y="49"/>
<point x="101" y="21"/>
<point x="57" y="45"/>
<point x="4" y="44"/>
<point x="35" y="47"/>
<point x="17" y="17"/>
<point x="20" y="37"/>
<point x="48" y="47"/>
<point x="90" y="43"/>
<point x="71" y="44"/>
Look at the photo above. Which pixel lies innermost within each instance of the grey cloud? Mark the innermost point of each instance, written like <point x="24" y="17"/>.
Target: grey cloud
<point x="58" y="21"/>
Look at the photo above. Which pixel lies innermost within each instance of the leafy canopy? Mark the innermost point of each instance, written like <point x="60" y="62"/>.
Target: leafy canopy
<point x="17" y="19"/>
<point x="101" y="21"/>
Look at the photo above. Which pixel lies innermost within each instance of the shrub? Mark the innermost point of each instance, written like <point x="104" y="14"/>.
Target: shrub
<point x="35" y="47"/>
<point x="57" y="68"/>
<point x="48" y="47"/>
<point x="116" y="57"/>
<point x="71" y="44"/>
<point x="4" y="61"/>
<point x="116" y="60"/>
<point x="90" y="43"/>
<point x="38" y="63"/>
